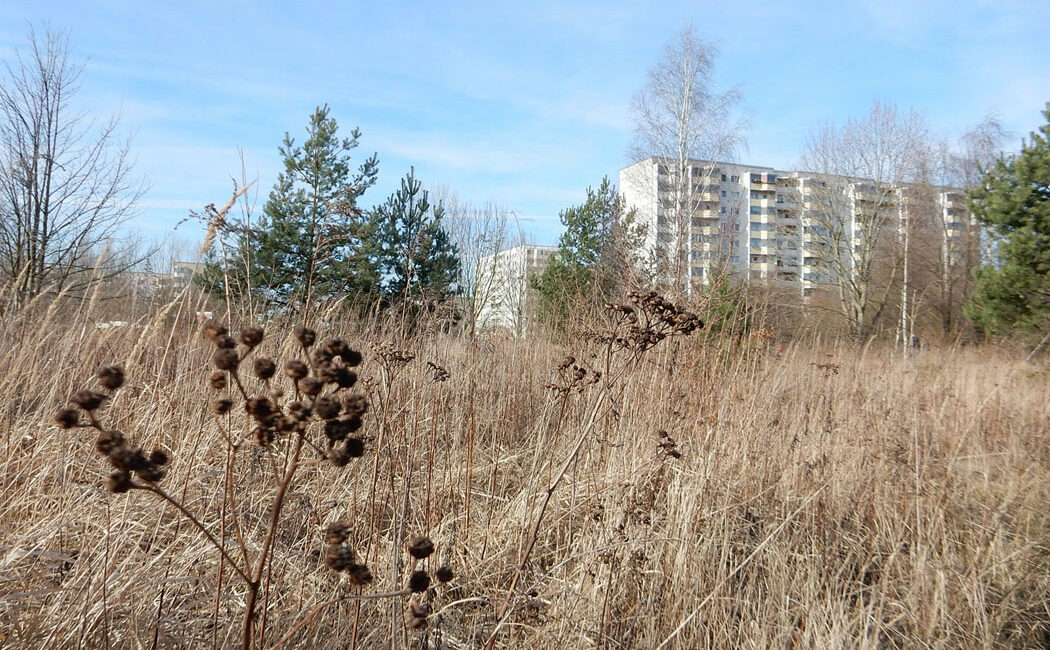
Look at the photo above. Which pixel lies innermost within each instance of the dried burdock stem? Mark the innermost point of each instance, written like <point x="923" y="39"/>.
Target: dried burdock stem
<point x="196" y="522"/>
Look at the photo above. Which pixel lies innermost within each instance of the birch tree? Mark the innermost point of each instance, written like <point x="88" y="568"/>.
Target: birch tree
<point x="687" y="124"/>
<point x="856" y="171"/>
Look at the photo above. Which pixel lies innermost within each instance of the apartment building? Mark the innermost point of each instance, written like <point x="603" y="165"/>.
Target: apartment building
<point x="503" y="286"/>
<point x="770" y="225"/>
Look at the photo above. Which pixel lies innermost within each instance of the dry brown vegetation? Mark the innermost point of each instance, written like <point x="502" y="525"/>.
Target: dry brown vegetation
<point x="715" y="494"/>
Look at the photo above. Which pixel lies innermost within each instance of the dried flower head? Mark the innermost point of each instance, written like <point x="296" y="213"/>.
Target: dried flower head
<point x="88" y="400"/>
<point x="296" y="369"/>
<point x="107" y="441"/>
<point x="355" y="405"/>
<point x="218" y="380"/>
<point x="127" y="457"/>
<point x="339" y="557"/>
<point x="327" y="407"/>
<point x="264" y="368"/>
<point x="355" y="447"/>
<point x="418" y="581"/>
<point x="222" y="406"/>
<point x="212" y="330"/>
<point x="67" y="418"/>
<point x="251" y="336"/>
<point x="305" y="336"/>
<point x="159" y="457"/>
<point x="119" y="482"/>
<point x="310" y="386"/>
<point x="359" y="574"/>
<point x="226" y="359"/>
<point x="351" y="357"/>
<point x="417" y="616"/>
<point x="111" y="377"/>
<point x="444" y="573"/>
<point x="420" y="547"/>
<point x="337" y="532"/>
<point x="260" y="408"/>
<point x="225" y="342"/>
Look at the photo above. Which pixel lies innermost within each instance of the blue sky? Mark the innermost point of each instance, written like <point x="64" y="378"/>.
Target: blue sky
<point x="521" y="104"/>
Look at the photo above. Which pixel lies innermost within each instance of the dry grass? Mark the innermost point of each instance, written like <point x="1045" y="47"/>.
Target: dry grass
<point x="825" y="497"/>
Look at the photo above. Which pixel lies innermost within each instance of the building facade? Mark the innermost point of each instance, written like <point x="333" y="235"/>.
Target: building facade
<point x="504" y="289"/>
<point x="792" y="228"/>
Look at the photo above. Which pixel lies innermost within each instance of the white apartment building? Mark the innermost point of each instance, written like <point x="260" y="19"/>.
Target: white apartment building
<point x="503" y="288"/>
<point x="763" y="224"/>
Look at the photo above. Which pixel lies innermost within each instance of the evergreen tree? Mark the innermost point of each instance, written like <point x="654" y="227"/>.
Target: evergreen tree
<point x="597" y="256"/>
<point x="1013" y="202"/>
<point x="416" y="260"/>
<point x="311" y="242"/>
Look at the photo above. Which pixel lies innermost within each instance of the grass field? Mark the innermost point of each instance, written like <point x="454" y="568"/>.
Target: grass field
<point x="705" y="494"/>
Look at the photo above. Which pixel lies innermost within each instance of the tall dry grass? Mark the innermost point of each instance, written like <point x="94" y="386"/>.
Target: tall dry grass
<point x="718" y="495"/>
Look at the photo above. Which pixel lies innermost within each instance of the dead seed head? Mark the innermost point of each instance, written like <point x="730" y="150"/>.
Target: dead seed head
<point x="222" y="406"/>
<point x="128" y="458"/>
<point x="419" y="581"/>
<point x="264" y="368"/>
<point x="339" y="557"/>
<point x="351" y="357"/>
<point x="213" y="329"/>
<point x="420" y="547"/>
<point x="296" y="369"/>
<point x="417" y="616"/>
<point x="111" y="377"/>
<point x="305" y="336"/>
<point x="218" y="380"/>
<point x="226" y="359"/>
<point x="310" y="386"/>
<point x="337" y="532"/>
<point x="108" y="441"/>
<point x="359" y="574"/>
<point x="327" y="407"/>
<point x="224" y="342"/>
<point x="67" y="418"/>
<point x="119" y="482"/>
<point x="260" y="408"/>
<point x="355" y="405"/>
<point x="251" y="336"/>
<point x="338" y="456"/>
<point x="88" y="400"/>
<point x="159" y="457"/>
<point x="444" y="574"/>
<point x="355" y="447"/>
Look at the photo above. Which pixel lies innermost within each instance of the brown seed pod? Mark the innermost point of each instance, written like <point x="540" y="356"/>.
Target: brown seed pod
<point x="339" y="557"/>
<point x="152" y="473"/>
<point x="67" y="418"/>
<point x="356" y="405"/>
<point x="338" y="456"/>
<point x="327" y="407"/>
<point x="420" y="547"/>
<point x="355" y="447"/>
<point x="213" y="329"/>
<point x="305" y="336"/>
<point x="351" y="357"/>
<point x="251" y="336"/>
<point x="222" y="406"/>
<point x="337" y="532"/>
<point x="310" y="386"/>
<point x="128" y="458"/>
<point x="218" y="380"/>
<point x="359" y="574"/>
<point x="88" y="400"/>
<point x="119" y="482"/>
<point x="264" y="368"/>
<point x="159" y="457"/>
<point x="444" y="574"/>
<point x="296" y="369"/>
<point x="111" y="377"/>
<point x="107" y="441"/>
<point x="419" y="581"/>
<point x="226" y="359"/>
<point x="225" y="342"/>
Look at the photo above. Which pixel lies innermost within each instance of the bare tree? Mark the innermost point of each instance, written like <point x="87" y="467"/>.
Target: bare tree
<point x="852" y="207"/>
<point x="680" y="119"/>
<point x="480" y="233"/>
<point x="66" y="182"/>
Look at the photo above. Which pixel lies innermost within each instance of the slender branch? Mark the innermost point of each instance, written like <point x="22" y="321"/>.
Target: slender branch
<point x="328" y="603"/>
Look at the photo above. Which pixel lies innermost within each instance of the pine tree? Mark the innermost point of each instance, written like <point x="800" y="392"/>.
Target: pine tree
<point x="310" y="244"/>
<point x="416" y="259"/>
<point x="1012" y="296"/>
<point x="596" y="257"/>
